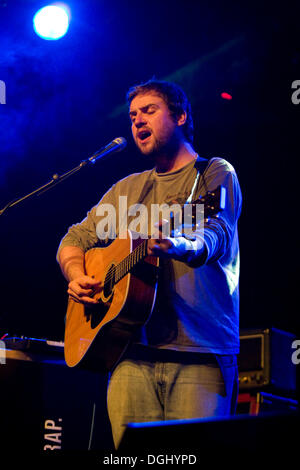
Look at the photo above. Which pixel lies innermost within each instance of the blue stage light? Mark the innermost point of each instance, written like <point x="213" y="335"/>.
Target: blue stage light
<point x="51" y="22"/>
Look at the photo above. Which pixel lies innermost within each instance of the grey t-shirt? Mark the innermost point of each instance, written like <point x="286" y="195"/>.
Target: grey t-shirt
<point x="197" y="303"/>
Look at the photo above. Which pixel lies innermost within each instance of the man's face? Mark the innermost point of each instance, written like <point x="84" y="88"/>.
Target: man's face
<point x="153" y="128"/>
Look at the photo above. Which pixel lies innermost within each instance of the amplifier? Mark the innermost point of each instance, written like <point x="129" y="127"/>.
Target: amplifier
<point x="265" y="359"/>
<point x="254" y="358"/>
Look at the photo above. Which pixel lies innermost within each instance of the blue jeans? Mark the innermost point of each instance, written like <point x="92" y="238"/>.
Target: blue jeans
<point x="155" y="385"/>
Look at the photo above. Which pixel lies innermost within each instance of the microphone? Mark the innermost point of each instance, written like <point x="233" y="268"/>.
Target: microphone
<point x="118" y="144"/>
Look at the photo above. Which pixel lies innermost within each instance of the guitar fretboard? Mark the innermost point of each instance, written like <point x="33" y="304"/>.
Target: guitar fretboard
<point x="213" y="202"/>
<point x="137" y="255"/>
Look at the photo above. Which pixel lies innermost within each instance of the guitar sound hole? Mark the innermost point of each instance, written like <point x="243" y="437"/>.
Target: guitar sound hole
<point x="95" y="313"/>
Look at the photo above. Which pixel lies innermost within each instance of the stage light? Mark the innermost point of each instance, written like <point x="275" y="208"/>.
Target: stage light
<point x="226" y="96"/>
<point x="51" y="22"/>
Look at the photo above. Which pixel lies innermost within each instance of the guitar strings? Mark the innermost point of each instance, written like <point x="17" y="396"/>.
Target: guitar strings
<point x="127" y="263"/>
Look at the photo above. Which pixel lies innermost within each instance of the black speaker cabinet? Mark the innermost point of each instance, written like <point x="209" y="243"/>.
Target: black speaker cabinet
<point x="46" y="405"/>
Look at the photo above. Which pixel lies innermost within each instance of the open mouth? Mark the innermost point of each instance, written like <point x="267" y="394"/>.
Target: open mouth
<point x="144" y="135"/>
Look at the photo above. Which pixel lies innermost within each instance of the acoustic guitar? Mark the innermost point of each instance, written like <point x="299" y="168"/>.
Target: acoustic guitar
<point x="97" y="336"/>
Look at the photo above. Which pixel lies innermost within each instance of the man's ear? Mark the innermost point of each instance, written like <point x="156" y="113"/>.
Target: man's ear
<point x="181" y="119"/>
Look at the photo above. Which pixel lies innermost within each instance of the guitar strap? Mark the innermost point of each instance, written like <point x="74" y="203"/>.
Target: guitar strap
<point x="201" y="165"/>
<point x="190" y="198"/>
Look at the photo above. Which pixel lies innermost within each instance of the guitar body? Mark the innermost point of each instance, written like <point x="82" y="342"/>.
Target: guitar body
<point x="96" y="337"/>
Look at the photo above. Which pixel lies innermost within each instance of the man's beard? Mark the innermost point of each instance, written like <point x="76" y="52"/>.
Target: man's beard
<point x="162" y="148"/>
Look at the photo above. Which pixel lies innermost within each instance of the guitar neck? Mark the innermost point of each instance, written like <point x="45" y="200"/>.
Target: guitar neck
<point x="213" y="203"/>
<point x="131" y="260"/>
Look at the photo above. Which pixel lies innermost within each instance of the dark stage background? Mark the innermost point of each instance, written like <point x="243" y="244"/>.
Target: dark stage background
<point x="66" y="98"/>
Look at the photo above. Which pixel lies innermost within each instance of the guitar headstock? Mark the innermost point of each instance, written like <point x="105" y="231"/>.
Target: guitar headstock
<point x="199" y="211"/>
<point x="213" y="201"/>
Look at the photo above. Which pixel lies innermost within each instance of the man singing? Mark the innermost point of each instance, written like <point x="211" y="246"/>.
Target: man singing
<point x="182" y="363"/>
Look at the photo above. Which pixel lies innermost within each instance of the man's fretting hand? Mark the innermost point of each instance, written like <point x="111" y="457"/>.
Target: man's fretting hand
<point x="178" y="248"/>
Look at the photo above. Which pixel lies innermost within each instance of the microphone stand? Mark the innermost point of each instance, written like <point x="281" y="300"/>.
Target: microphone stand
<point x="58" y="179"/>
<point x="55" y="180"/>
